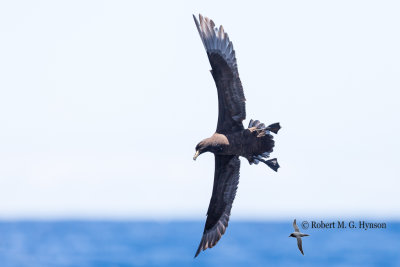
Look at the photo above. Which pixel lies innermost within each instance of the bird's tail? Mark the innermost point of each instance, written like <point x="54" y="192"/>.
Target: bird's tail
<point x="264" y="132"/>
<point x="261" y="129"/>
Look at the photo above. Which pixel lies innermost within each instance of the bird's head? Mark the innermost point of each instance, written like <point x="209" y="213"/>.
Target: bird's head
<point x="291" y="235"/>
<point x="207" y="145"/>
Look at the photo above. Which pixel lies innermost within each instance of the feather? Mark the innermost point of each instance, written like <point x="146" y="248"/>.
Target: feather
<point x="226" y="180"/>
<point x="231" y="107"/>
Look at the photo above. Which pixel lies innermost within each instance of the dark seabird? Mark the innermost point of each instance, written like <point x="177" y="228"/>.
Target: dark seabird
<point x="296" y="234"/>
<point x="231" y="139"/>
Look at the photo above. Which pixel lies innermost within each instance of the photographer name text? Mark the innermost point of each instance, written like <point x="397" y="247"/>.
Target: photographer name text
<point x="343" y="225"/>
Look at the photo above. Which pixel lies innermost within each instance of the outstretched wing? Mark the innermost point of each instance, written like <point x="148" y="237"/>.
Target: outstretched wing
<point x="296" y="228"/>
<point x="299" y="244"/>
<point x="231" y="100"/>
<point x="226" y="180"/>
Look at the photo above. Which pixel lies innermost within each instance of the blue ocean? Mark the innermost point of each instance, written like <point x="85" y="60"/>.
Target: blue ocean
<point x="173" y="243"/>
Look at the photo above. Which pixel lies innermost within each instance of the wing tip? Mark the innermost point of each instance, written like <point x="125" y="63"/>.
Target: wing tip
<point x="214" y="38"/>
<point x="200" y="248"/>
<point x="197" y="253"/>
<point x="195" y="18"/>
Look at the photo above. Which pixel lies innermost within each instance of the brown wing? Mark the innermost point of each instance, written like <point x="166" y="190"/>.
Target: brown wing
<point x="226" y="180"/>
<point x="231" y="100"/>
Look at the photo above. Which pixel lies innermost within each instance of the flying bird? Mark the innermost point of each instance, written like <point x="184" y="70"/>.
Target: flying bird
<point x="296" y="234"/>
<point x="231" y="139"/>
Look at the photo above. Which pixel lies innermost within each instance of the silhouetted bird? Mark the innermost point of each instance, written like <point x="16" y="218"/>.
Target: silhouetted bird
<point x="231" y="139"/>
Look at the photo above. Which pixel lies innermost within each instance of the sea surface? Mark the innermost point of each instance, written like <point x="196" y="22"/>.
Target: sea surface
<point x="173" y="243"/>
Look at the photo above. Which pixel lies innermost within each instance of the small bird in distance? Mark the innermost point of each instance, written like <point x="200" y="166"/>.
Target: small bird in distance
<point x="298" y="236"/>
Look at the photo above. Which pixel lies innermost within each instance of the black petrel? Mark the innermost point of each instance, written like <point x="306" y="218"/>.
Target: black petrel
<point x="231" y="139"/>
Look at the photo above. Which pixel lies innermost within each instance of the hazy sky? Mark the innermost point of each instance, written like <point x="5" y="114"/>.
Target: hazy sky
<point x="102" y="104"/>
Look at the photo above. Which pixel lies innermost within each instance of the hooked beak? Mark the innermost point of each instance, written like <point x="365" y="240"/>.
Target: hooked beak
<point x="196" y="155"/>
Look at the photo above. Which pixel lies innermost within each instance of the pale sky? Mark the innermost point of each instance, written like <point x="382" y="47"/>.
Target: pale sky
<point x="103" y="103"/>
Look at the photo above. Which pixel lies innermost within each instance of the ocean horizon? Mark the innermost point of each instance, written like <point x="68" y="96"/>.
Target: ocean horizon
<point x="87" y="243"/>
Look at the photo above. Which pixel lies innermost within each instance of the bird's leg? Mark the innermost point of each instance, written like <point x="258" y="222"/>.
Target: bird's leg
<point x="274" y="127"/>
<point x="272" y="163"/>
<point x="252" y="129"/>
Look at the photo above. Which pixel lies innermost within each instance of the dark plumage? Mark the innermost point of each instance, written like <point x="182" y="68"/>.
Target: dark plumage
<point x="231" y="139"/>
